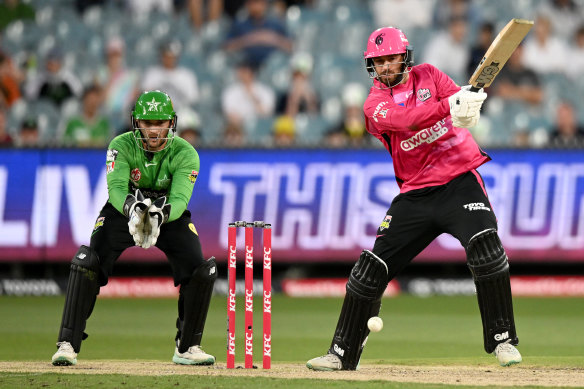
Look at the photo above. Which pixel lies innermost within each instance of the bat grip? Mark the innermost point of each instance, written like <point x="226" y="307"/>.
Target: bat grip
<point x="474" y="88"/>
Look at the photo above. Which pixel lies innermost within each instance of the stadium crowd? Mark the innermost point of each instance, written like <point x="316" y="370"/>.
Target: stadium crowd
<point x="272" y="73"/>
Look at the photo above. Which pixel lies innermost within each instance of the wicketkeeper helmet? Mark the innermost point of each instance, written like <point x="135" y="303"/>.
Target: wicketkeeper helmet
<point x="153" y="105"/>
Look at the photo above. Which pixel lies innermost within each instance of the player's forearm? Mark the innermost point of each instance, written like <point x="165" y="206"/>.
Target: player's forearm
<point x="416" y="118"/>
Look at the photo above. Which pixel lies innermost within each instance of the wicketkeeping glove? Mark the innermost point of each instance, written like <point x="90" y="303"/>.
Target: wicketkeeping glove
<point x="158" y="213"/>
<point x="135" y="208"/>
<point x="465" y="107"/>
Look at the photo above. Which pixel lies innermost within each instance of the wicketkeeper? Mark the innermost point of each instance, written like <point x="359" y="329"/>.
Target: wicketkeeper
<point x="150" y="176"/>
<point x="421" y="116"/>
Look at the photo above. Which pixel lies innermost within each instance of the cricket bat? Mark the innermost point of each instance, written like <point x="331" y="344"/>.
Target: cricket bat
<point x="499" y="52"/>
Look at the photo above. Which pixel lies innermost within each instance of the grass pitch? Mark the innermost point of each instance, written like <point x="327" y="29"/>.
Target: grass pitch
<point x="422" y="336"/>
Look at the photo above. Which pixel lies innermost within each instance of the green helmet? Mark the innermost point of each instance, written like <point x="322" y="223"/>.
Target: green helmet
<point x="153" y="105"/>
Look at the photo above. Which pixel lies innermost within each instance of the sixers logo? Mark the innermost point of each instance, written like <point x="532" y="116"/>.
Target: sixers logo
<point x="135" y="175"/>
<point x="379" y="39"/>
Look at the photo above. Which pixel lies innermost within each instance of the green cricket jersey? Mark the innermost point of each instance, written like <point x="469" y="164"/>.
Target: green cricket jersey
<point x="171" y="172"/>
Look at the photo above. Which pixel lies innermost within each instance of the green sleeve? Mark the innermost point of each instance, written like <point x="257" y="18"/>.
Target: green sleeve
<point x="118" y="171"/>
<point x="186" y="170"/>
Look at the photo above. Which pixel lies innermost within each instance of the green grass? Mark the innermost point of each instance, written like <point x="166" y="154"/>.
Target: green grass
<point x="417" y="331"/>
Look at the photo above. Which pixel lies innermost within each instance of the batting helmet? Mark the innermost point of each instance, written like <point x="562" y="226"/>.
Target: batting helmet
<point x="153" y="105"/>
<point x="387" y="41"/>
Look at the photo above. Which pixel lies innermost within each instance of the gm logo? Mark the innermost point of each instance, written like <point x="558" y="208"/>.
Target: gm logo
<point x="503" y="336"/>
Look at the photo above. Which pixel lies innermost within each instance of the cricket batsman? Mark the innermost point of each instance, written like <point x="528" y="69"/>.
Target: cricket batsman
<point x="151" y="173"/>
<point x="421" y="116"/>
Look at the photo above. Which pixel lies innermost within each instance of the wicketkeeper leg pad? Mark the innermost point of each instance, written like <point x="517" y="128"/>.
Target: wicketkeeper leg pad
<point x="82" y="291"/>
<point x="488" y="263"/>
<point x="193" y="305"/>
<point x="367" y="282"/>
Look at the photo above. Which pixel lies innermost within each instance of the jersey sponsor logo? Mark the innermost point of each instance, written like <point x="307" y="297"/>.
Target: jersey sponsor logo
<point x="476" y="207"/>
<point x="109" y="167"/>
<point x="379" y="111"/>
<point x="135" y="175"/>
<point x="98" y="223"/>
<point x="111" y="155"/>
<point x="427" y="135"/>
<point x="193" y="176"/>
<point x="424" y="94"/>
<point x="192" y="228"/>
<point x="385" y="223"/>
<point x="149" y="164"/>
<point x="153" y="105"/>
<point x="163" y="181"/>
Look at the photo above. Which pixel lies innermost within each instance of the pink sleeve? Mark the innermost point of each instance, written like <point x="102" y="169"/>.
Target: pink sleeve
<point x="388" y="116"/>
<point x="444" y="84"/>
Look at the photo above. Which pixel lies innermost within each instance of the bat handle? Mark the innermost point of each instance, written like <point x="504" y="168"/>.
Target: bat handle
<point x="474" y="88"/>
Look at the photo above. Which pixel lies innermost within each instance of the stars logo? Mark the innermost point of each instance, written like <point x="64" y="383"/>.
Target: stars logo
<point x="153" y="105"/>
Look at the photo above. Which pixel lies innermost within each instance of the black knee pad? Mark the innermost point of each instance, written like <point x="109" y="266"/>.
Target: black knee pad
<point x="193" y="305"/>
<point x="490" y="269"/>
<point x="82" y="291"/>
<point x="367" y="282"/>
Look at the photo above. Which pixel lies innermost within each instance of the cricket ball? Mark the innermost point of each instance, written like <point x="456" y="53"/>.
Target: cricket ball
<point x="375" y="324"/>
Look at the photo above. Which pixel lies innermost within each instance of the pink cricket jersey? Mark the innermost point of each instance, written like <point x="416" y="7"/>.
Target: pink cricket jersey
<point x="413" y="122"/>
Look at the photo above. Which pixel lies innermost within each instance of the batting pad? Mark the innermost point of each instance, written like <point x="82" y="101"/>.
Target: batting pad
<point x="488" y="263"/>
<point x="82" y="291"/>
<point x="366" y="285"/>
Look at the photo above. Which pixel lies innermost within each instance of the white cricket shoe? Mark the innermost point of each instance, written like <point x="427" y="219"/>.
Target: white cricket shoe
<point x="193" y="356"/>
<point x="507" y="354"/>
<point x="328" y="362"/>
<point x="65" y="355"/>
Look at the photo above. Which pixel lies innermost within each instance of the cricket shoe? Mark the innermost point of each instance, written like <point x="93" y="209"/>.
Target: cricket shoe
<point x="65" y="355"/>
<point x="328" y="362"/>
<point x="507" y="354"/>
<point x="193" y="356"/>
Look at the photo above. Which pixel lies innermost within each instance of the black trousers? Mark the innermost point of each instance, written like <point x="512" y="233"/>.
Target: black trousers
<point x="460" y="208"/>
<point x="178" y="240"/>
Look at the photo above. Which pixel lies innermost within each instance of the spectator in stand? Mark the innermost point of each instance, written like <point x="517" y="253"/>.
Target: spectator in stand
<point x="204" y="11"/>
<point x="82" y="5"/>
<point x="284" y="131"/>
<point x="29" y="135"/>
<point x="90" y="128"/>
<point x="518" y="83"/>
<point x="484" y="39"/>
<point x="10" y="80"/>
<point x="56" y="83"/>
<point x="257" y="35"/>
<point x="408" y="14"/>
<point x="245" y="100"/>
<point x="12" y="10"/>
<point x="142" y="8"/>
<point x="5" y="138"/>
<point x="300" y="96"/>
<point x="120" y="84"/>
<point x="567" y="132"/>
<point x="449" y="44"/>
<point x="351" y="130"/>
<point x="565" y="16"/>
<point x="189" y="127"/>
<point x="575" y="68"/>
<point x="179" y="82"/>
<point x="544" y="52"/>
<point x="446" y="10"/>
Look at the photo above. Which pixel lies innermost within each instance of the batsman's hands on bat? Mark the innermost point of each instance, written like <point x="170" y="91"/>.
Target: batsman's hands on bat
<point x="135" y="208"/>
<point x="465" y="107"/>
<point x="158" y="213"/>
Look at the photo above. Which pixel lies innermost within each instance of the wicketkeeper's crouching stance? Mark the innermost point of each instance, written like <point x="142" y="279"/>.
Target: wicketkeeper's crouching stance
<point x="421" y="116"/>
<point x="150" y="176"/>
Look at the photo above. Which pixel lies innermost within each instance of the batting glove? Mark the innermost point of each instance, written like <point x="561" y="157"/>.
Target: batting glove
<point x="135" y="208"/>
<point x="465" y="106"/>
<point x="158" y="213"/>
